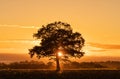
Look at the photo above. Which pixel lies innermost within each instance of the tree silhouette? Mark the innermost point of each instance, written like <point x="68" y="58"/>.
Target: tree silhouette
<point x="55" y="37"/>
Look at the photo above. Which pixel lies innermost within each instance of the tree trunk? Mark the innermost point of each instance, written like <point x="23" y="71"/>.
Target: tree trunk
<point x="57" y="63"/>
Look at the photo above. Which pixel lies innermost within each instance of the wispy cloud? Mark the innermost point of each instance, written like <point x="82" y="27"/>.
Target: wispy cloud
<point x="19" y="26"/>
<point x="8" y="48"/>
<point x="16" y="41"/>
<point x="105" y="46"/>
<point x="35" y="42"/>
<point x="98" y="50"/>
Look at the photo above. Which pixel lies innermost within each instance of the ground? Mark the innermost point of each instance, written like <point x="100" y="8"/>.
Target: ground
<point x="66" y="74"/>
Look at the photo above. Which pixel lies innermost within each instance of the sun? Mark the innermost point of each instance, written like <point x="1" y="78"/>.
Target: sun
<point x="60" y="54"/>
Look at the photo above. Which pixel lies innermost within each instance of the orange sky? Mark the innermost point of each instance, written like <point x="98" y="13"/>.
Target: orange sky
<point x="97" y="20"/>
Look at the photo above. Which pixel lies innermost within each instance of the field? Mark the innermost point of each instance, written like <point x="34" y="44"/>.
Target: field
<point x="65" y="74"/>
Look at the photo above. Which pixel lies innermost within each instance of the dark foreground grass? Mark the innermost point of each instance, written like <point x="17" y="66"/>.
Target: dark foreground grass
<point x="66" y="74"/>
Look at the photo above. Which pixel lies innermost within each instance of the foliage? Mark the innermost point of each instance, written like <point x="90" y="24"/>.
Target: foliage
<point x="58" y="36"/>
<point x="65" y="65"/>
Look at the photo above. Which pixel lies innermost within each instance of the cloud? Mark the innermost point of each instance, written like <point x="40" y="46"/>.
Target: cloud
<point x="105" y="46"/>
<point x="98" y="50"/>
<point x="16" y="41"/>
<point x="8" y="48"/>
<point x="21" y="42"/>
<point x="19" y="26"/>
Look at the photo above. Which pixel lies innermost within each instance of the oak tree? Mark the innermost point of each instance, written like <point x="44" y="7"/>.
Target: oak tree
<point x="58" y="37"/>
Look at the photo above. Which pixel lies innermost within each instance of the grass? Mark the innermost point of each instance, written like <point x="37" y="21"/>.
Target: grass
<point x="65" y="74"/>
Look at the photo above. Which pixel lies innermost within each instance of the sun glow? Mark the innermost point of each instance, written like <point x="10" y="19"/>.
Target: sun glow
<point x="60" y="54"/>
<point x="36" y="42"/>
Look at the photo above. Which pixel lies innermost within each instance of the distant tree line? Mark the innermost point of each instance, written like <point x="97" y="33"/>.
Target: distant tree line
<point x="26" y="65"/>
<point x="51" y="65"/>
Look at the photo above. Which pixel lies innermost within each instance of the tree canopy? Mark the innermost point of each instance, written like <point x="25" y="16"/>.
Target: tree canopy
<point x="58" y="36"/>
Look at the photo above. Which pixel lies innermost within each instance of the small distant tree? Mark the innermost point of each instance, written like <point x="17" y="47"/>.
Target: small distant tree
<point x="58" y="37"/>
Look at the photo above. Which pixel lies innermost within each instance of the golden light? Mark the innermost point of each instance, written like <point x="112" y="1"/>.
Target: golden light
<point x="60" y="53"/>
<point x="36" y="42"/>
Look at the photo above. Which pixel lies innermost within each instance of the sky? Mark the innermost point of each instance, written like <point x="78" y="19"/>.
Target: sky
<point x="97" y="20"/>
